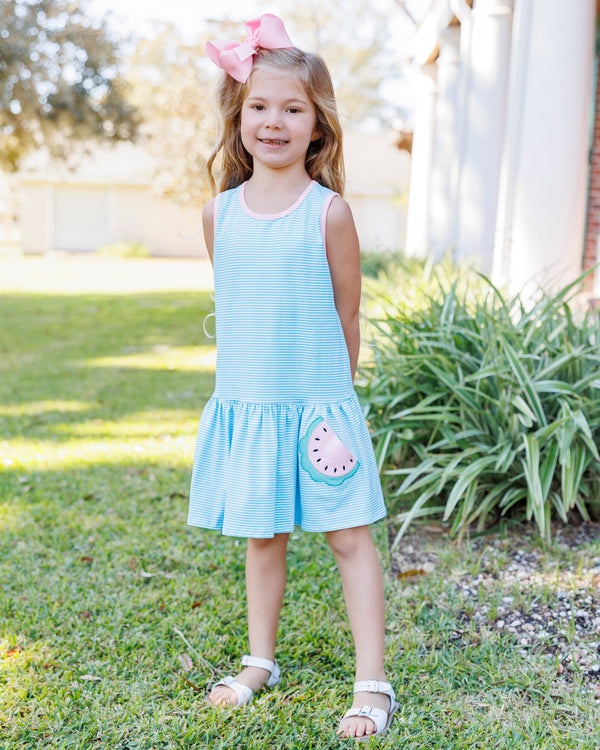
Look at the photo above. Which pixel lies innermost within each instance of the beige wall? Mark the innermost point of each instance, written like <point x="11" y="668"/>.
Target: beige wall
<point x="80" y="217"/>
<point x="34" y="217"/>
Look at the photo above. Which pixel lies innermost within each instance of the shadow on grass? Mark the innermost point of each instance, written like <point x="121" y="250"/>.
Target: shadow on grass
<point x="70" y="362"/>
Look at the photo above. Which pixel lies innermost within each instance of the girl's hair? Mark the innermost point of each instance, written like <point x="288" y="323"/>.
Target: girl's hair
<point x="324" y="158"/>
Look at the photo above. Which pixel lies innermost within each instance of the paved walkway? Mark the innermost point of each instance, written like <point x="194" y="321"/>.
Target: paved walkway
<point x="84" y="274"/>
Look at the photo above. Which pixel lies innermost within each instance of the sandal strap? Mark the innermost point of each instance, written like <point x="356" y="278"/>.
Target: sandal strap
<point x="379" y="717"/>
<point x="271" y="666"/>
<point x="243" y="692"/>
<point x="375" y="686"/>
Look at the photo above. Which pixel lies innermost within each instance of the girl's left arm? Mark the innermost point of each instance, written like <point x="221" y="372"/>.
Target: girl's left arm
<point x="343" y="255"/>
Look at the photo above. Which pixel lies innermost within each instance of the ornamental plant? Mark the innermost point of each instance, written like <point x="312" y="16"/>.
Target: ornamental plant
<point x="481" y="405"/>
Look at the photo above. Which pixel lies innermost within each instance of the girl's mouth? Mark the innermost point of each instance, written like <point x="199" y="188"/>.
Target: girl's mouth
<point x="272" y="141"/>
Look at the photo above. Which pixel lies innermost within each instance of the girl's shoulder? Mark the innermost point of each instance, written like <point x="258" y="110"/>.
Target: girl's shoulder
<point x="210" y="209"/>
<point x="211" y="213"/>
<point x="208" y="212"/>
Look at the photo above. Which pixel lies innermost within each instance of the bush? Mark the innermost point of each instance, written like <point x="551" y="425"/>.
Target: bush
<point x="480" y="405"/>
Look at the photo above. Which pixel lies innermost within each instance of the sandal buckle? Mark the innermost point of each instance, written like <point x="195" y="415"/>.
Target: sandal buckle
<point x="372" y="686"/>
<point x="365" y="711"/>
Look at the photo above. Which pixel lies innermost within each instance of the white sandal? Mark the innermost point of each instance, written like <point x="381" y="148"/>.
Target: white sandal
<point x="382" y="719"/>
<point x="243" y="692"/>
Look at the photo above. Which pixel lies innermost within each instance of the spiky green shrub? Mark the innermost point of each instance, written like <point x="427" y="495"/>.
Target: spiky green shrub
<point x="482" y="405"/>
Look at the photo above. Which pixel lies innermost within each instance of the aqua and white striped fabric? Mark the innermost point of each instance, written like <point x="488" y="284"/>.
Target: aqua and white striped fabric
<point x="283" y="440"/>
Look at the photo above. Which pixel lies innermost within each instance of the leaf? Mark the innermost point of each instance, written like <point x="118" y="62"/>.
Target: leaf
<point x="193" y="685"/>
<point x="586" y="433"/>
<point x="417" y="511"/>
<point x="526" y="417"/>
<point x="536" y="499"/>
<point x="410" y="573"/>
<point x="468" y="476"/>
<point x="525" y="381"/>
<point x="382" y="450"/>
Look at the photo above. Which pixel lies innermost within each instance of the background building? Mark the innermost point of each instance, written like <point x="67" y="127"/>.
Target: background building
<point x="107" y="198"/>
<point x="505" y="93"/>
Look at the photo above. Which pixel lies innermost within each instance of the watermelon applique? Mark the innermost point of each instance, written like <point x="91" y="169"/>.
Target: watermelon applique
<point x="324" y="456"/>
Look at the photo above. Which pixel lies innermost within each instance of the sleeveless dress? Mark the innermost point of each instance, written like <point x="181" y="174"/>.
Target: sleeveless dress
<point x="283" y="440"/>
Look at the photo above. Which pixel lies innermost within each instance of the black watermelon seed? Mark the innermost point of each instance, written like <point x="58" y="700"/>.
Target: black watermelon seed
<point x="335" y="470"/>
<point x="318" y="459"/>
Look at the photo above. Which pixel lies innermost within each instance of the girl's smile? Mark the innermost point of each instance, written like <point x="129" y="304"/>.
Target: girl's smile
<point x="278" y="121"/>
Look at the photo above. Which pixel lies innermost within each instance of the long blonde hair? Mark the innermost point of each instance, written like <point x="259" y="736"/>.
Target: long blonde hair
<point x="324" y="158"/>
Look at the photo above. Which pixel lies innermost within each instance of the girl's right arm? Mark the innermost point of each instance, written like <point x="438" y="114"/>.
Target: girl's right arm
<point x="208" y="223"/>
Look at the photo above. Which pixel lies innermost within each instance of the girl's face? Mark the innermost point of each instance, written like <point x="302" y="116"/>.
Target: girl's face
<point x="278" y="121"/>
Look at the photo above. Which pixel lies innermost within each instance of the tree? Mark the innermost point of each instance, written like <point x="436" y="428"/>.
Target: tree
<point x="354" y="39"/>
<point x="58" y="79"/>
<point x="173" y="86"/>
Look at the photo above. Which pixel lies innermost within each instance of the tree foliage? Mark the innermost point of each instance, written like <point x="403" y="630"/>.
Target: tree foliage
<point x="173" y="89"/>
<point x="354" y="39"/>
<point x="58" y="79"/>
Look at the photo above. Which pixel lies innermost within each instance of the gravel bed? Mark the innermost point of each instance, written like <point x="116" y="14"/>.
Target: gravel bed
<point x="523" y="592"/>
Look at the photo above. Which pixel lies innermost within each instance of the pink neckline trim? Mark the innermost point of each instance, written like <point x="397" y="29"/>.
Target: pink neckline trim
<point x="285" y="212"/>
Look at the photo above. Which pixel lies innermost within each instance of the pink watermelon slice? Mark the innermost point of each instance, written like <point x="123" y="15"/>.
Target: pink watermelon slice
<point x="324" y="456"/>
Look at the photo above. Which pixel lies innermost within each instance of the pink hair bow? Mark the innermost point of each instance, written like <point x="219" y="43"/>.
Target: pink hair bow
<point x="235" y="58"/>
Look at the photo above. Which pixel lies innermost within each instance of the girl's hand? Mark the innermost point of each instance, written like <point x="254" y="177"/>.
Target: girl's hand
<point x="343" y="255"/>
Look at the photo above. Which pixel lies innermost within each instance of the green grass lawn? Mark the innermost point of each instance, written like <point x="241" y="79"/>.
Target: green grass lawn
<point x="115" y="616"/>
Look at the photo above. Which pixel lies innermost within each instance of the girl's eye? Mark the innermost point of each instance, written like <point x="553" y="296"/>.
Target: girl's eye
<point x="293" y="110"/>
<point x="258" y="107"/>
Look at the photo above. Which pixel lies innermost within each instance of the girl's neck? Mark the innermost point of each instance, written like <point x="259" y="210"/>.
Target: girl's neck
<point x="271" y="193"/>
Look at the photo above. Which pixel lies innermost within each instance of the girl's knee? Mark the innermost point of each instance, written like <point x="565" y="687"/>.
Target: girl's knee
<point x="349" y="542"/>
<point x="274" y="543"/>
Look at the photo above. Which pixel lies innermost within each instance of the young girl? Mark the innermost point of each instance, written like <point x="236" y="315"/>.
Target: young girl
<point x="283" y="441"/>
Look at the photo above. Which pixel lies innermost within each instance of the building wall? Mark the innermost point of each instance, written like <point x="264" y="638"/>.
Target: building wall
<point x="84" y="217"/>
<point x="107" y="199"/>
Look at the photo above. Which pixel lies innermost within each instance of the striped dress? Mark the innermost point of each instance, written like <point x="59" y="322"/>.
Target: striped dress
<point x="283" y="440"/>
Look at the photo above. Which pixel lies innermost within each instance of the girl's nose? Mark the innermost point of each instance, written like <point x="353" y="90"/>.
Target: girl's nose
<point x="273" y="121"/>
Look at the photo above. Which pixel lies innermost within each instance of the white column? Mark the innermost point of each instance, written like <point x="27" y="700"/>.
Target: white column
<point x="485" y="54"/>
<point x="445" y="144"/>
<point x="542" y="206"/>
<point x="417" y="222"/>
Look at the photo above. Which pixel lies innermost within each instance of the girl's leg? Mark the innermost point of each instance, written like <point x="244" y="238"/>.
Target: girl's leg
<point x="362" y="582"/>
<point x="265" y="586"/>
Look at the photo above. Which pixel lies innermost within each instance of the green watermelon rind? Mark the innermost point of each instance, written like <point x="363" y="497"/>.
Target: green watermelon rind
<point x="310" y="469"/>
